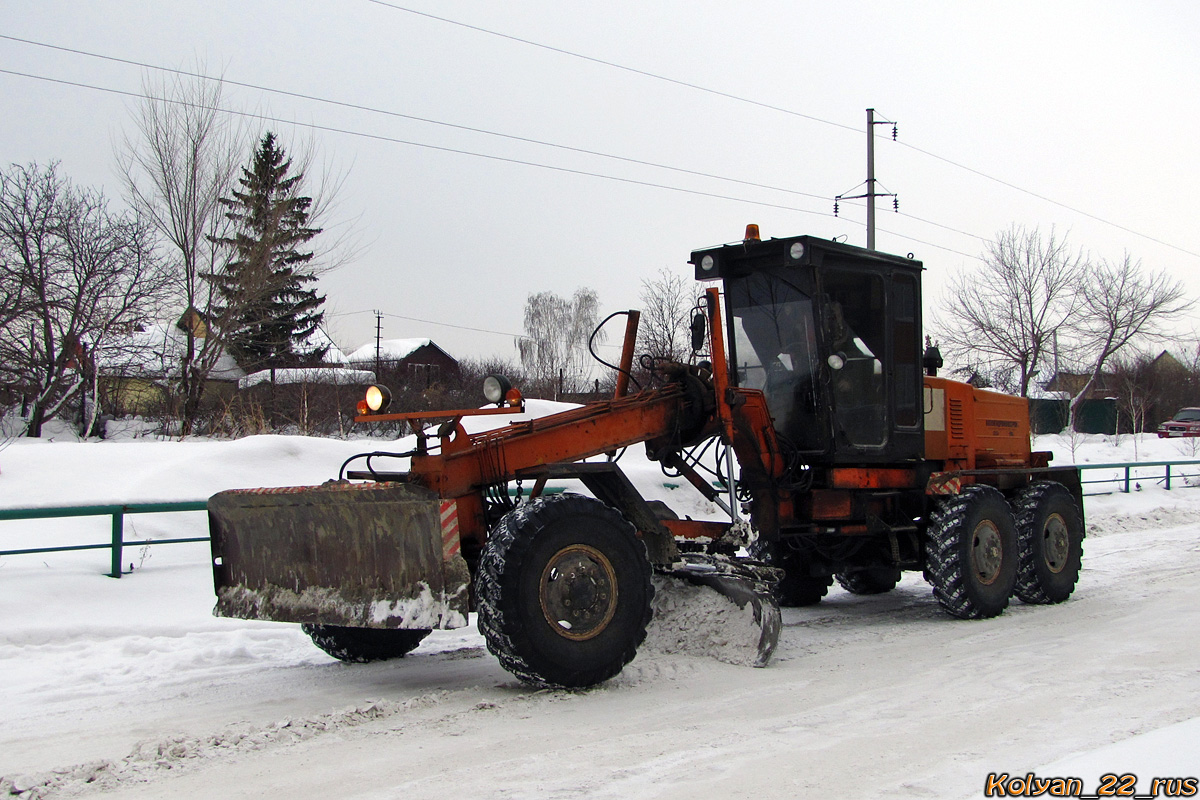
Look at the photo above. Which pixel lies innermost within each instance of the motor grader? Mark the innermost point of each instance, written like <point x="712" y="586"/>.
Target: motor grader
<point x="841" y="455"/>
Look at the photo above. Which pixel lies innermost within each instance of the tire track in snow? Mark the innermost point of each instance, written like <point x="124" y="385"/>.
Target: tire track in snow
<point x="154" y="758"/>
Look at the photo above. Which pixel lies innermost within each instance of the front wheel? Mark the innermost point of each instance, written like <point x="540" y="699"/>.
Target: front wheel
<point x="1050" y="529"/>
<point x="563" y="589"/>
<point x="971" y="556"/>
<point x="363" y="645"/>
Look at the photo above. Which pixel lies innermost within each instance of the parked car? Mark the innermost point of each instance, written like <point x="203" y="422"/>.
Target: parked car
<point x="1186" y="422"/>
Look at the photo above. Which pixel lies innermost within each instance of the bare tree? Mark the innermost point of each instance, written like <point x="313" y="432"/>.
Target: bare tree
<point x="86" y="274"/>
<point x="667" y="302"/>
<point x="1119" y="305"/>
<point x="29" y="217"/>
<point x="1004" y="315"/>
<point x="554" y="350"/>
<point x="176" y="168"/>
<point x="1138" y="385"/>
<point x="12" y="288"/>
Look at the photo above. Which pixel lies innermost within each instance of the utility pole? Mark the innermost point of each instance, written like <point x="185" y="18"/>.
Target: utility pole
<point x="870" y="179"/>
<point x="871" y="193"/>
<point x="378" y="340"/>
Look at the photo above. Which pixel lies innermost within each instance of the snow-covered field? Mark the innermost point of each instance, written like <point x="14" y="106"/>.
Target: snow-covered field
<point x="130" y="688"/>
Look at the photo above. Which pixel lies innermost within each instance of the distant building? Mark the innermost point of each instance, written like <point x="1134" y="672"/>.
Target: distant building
<point x="135" y="370"/>
<point x="419" y="362"/>
<point x="1072" y="383"/>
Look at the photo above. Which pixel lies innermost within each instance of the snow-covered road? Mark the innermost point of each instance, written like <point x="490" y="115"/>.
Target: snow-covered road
<point x="130" y="688"/>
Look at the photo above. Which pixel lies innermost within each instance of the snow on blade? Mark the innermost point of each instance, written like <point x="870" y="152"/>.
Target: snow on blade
<point x="423" y="610"/>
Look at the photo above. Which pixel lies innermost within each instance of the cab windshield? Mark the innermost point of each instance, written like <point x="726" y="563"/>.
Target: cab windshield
<point x="775" y="347"/>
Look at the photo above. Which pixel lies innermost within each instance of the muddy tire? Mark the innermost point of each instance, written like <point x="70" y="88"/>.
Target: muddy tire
<point x="564" y="592"/>
<point x="875" y="580"/>
<point x="798" y="588"/>
<point x="1050" y="540"/>
<point x="971" y="555"/>
<point x="363" y="645"/>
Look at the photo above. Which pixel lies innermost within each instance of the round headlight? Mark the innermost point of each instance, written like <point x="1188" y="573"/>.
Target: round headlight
<point x="836" y="362"/>
<point x="797" y="251"/>
<point x="707" y="264"/>
<point x="378" y="397"/>
<point x="495" y="388"/>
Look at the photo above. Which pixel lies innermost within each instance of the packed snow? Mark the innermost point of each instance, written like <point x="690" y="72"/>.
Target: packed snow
<point x="131" y="688"/>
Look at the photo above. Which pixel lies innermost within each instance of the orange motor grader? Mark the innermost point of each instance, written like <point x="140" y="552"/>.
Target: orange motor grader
<point x="841" y="456"/>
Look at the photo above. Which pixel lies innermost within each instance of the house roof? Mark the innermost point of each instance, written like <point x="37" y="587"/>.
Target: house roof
<point x="157" y="352"/>
<point x="392" y="350"/>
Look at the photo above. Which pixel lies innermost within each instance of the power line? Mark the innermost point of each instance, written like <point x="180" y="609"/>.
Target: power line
<point x="781" y="109"/>
<point x="457" y="151"/>
<point x="983" y="239"/>
<point x="396" y="114"/>
<point x="614" y="65"/>
<point x="1052" y="201"/>
<point x="448" y="325"/>
<point x="411" y="117"/>
<point x="585" y="151"/>
<point x="425" y="145"/>
<point x="371" y="109"/>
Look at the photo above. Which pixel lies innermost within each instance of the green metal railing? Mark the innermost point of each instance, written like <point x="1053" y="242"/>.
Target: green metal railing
<point x="117" y="512"/>
<point x="1127" y="474"/>
<point x="1130" y="471"/>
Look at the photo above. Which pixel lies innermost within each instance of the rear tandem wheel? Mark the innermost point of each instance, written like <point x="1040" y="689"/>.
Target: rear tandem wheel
<point x="971" y="556"/>
<point x="1050" y="529"/>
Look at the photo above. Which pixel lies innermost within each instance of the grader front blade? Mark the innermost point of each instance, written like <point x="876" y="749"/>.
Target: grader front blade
<point x="378" y="555"/>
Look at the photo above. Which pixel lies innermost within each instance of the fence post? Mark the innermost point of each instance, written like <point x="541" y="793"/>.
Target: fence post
<point x="1126" y="479"/>
<point x="1168" y="477"/>
<point x="118" y="539"/>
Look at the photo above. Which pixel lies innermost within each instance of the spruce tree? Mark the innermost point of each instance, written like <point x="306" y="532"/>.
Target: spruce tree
<point x="267" y="307"/>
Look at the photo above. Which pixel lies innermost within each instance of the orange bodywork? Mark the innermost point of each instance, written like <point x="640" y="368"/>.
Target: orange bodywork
<point x="872" y="478"/>
<point x="695" y="528"/>
<point x="971" y="428"/>
<point x="465" y="463"/>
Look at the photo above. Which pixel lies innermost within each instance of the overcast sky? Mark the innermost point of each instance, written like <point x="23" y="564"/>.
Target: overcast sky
<point x="1072" y="111"/>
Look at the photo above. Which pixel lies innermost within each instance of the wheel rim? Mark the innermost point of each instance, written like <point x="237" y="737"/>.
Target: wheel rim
<point x="987" y="552"/>
<point x="578" y="592"/>
<point x="1056" y="543"/>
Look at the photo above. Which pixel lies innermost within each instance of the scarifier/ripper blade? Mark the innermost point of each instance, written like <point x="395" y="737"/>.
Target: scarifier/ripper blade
<point x="743" y="582"/>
